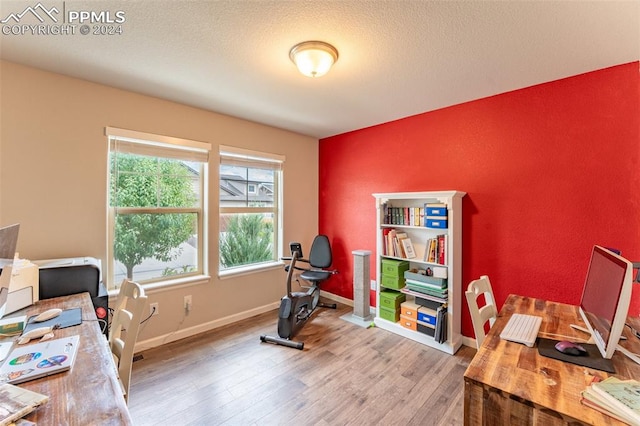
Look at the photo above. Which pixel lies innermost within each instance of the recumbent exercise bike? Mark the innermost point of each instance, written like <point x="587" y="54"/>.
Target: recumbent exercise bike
<point x="296" y="307"/>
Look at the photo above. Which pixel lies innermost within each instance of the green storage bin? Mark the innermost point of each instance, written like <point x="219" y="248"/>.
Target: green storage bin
<point x="394" y="268"/>
<point x="390" y="299"/>
<point x="391" y="282"/>
<point x="392" y="315"/>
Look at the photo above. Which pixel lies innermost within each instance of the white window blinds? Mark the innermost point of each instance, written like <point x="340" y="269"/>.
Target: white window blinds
<point x="140" y="143"/>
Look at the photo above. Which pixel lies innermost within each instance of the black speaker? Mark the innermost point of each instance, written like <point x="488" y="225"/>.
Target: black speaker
<point x="62" y="277"/>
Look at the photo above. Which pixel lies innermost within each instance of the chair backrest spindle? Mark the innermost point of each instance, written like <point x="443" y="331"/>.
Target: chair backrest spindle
<point x="488" y="312"/>
<point x="125" y="325"/>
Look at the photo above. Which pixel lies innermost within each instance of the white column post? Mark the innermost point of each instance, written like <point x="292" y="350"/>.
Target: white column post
<point x="361" y="279"/>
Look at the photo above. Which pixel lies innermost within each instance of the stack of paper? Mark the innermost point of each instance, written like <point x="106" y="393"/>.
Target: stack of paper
<point x="617" y="398"/>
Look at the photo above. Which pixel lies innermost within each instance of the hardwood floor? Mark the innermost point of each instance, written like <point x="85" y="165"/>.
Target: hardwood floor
<point x="346" y="375"/>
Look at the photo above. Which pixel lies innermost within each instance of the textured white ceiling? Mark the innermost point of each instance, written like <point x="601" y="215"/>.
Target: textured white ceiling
<point x="397" y="58"/>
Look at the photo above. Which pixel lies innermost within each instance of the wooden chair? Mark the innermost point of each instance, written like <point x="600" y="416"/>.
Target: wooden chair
<point x="480" y="316"/>
<point x="125" y="324"/>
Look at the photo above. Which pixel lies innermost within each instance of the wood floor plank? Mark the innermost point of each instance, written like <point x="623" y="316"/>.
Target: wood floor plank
<point x="345" y="375"/>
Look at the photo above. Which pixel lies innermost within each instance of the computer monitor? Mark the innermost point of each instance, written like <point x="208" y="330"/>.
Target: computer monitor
<point x="605" y="298"/>
<point x="8" y="243"/>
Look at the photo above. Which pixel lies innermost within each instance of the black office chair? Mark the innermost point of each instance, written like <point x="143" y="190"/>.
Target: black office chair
<point x="296" y="307"/>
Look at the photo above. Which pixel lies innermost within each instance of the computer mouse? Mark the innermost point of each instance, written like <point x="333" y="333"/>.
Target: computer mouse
<point x="47" y="315"/>
<point x="570" y="348"/>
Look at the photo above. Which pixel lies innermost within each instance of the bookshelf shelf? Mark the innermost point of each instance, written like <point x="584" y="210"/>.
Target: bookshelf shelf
<point x="407" y="208"/>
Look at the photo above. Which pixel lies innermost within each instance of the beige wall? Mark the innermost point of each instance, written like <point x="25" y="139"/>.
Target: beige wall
<point x="53" y="180"/>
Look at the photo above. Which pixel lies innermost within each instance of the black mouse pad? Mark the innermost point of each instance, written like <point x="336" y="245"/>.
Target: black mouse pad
<point x="591" y="359"/>
<point x="67" y="318"/>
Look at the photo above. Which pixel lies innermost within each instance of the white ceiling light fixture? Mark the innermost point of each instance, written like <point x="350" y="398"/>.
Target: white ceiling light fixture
<point x="313" y="58"/>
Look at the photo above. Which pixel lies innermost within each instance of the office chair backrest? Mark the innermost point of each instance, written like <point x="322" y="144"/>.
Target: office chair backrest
<point x="480" y="316"/>
<point x="127" y="315"/>
<point x="320" y="255"/>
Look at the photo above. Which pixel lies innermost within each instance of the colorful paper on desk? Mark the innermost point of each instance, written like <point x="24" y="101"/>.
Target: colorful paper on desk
<point x="41" y="359"/>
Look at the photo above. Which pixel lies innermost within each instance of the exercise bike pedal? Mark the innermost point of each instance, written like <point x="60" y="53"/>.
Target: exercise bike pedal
<point x="303" y="316"/>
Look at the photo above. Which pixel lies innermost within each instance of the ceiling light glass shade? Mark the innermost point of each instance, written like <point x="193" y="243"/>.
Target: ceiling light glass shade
<point x="313" y="58"/>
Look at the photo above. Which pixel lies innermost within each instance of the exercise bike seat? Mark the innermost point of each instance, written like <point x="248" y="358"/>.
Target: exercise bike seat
<point x="315" y="276"/>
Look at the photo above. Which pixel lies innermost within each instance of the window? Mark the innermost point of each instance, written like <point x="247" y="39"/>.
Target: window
<point x="157" y="215"/>
<point x="250" y="209"/>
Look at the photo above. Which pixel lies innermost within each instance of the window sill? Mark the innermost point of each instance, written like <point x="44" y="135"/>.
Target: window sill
<point x="249" y="269"/>
<point x="170" y="284"/>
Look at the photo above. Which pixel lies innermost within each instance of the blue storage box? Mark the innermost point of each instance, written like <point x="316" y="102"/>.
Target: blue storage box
<point x="427" y="316"/>
<point x="436" y="211"/>
<point x="436" y="222"/>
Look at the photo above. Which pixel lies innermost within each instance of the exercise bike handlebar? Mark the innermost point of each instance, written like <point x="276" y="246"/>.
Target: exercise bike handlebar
<point x="301" y="259"/>
<point x="292" y="266"/>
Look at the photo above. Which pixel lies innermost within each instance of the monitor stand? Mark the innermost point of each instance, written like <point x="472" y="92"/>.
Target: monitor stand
<point x="577" y="327"/>
<point x="584" y="330"/>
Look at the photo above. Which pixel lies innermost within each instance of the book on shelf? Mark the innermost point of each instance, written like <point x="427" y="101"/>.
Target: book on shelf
<point x="390" y="238"/>
<point x="385" y="241"/>
<point x="438" y="293"/>
<point x="417" y="294"/>
<point x="406" y="216"/>
<point x="407" y="245"/>
<point x="397" y="244"/>
<point x="441" y="249"/>
<point x="399" y="250"/>
<point x="426" y="286"/>
<point x="441" y="324"/>
<point x="436" y="250"/>
<point x="617" y="398"/>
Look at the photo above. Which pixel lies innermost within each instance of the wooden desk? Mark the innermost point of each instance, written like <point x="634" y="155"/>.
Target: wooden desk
<point x="89" y="394"/>
<point x="509" y="383"/>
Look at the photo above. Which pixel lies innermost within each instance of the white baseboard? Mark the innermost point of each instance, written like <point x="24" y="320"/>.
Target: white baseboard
<point x="468" y="341"/>
<point x="336" y="298"/>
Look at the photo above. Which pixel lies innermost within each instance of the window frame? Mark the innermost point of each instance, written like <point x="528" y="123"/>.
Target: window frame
<point x="254" y="159"/>
<point x="159" y="146"/>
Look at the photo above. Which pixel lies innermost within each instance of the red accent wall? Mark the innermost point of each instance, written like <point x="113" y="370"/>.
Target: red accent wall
<point x="549" y="171"/>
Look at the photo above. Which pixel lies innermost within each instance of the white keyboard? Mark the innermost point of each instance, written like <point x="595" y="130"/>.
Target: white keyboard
<point x="522" y="329"/>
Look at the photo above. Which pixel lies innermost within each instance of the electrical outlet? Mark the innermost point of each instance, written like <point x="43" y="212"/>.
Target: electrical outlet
<point x="373" y="284"/>
<point x="187" y="303"/>
<point x="154" y="309"/>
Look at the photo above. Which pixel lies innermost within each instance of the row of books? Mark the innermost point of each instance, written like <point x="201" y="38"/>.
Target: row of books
<point x="436" y="250"/>
<point x="397" y="244"/>
<point x="413" y="216"/>
<point x="428" y="289"/>
<point x="617" y="398"/>
<point x="435" y="299"/>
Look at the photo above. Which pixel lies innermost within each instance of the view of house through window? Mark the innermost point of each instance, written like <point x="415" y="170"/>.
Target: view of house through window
<point x="250" y="214"/>
<point x="156" y="209"/>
